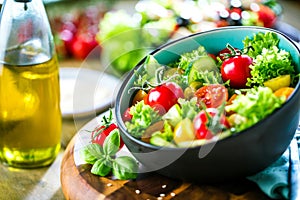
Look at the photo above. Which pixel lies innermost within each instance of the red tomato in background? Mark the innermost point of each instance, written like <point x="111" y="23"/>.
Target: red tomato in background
<point x="67" y="35"/>
<point x="202" y="127"/>
<point x="83" y="45"/>
<point x="212" y="95"/>
<point x="78" y="32"/>
<point x="164" y="96"/>
<point x="267" y="16"/>
<point x="237" y="70"/>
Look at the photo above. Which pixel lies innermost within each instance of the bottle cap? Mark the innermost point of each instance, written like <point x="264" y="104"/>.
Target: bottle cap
<point x="23" y="1"/>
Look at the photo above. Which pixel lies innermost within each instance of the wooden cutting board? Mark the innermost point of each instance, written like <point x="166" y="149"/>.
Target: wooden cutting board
<point x="78" y="183"/>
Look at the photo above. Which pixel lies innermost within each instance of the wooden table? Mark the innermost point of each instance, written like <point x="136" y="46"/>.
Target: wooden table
<point x="147" y="186"/>
<point x="44" y="183"/>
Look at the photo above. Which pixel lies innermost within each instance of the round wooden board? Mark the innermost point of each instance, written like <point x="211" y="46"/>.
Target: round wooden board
<point x="78" y="183"/>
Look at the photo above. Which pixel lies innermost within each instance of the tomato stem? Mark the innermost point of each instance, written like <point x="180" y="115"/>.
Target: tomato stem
<point x="159" y="76"/>
<point x="233" y="51"/>
<point x="247" y="49"/>
<point x="106" y="122"/>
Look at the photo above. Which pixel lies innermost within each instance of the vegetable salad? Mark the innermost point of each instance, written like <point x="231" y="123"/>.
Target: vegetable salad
<point x="204" y="97"/>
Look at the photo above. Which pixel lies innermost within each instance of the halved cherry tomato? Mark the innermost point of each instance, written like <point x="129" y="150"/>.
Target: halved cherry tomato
<point x="164" y="96"/>
<point x="212" y="95"/>
<point x="203" y="127"/>
<point x="237" y="70"/>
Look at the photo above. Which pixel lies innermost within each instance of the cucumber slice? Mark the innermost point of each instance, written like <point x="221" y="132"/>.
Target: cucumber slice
<point x="157" y="140"/>
<point x="204" y="63"/>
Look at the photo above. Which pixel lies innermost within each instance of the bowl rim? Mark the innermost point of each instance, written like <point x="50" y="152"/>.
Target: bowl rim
<point x="118" y="115"/>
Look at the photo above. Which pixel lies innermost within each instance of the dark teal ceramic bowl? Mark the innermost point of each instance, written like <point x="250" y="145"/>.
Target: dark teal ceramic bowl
<point x="237" y="156"/>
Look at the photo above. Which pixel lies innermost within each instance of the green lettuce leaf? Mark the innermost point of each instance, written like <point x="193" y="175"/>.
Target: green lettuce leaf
<point x="259" y="42"/>
<point x="189" y="108"/>
<point x="254" y="106"/>
<point x="142" y="117"/>
<point x="270" y="64"/>
<point x="188" y="58"/>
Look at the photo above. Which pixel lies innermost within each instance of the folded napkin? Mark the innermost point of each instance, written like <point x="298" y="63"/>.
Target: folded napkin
<point x="274" y="181"/>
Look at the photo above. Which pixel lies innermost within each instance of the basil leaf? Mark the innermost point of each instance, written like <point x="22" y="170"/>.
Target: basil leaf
<point x="112" y="143"/>
<point x="91" y="153"/>
<point x="125" y="167"/>
<point x="101" y="167"/>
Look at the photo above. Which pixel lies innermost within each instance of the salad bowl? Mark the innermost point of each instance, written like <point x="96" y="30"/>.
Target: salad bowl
<point x="239" y="155"/>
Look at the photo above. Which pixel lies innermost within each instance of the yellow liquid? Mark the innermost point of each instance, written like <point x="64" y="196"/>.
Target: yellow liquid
<point x="30" y="117"/>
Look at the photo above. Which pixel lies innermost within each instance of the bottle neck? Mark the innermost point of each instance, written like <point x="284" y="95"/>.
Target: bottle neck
<point x="24" y="28"/>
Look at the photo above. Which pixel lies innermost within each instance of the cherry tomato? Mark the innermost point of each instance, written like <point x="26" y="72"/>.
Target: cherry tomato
<point x="237" y="70"/>
<point x="164" y="96"/>
<point x="212" y="95"/>
<point x="100" y="133"/>
<point x="175" y="88"/>
<point x="139" y="96"/>
<point x="203" y="128"/>
<point x="127" y="116"/>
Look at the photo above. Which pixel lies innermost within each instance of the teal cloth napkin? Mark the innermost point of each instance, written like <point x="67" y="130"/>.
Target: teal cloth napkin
<point x="274" y="181"/>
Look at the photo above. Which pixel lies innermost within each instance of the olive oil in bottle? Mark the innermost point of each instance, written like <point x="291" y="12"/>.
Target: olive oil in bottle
<point x="30" y="117"/>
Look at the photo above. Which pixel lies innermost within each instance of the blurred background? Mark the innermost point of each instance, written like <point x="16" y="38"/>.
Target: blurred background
<point x="121" y="32"/>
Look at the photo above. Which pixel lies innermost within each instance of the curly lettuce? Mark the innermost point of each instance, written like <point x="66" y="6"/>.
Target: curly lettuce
<point x="260" y="41"/>
<point x="271" y="63"/>
<point x="189" y="108"/>
<point x="208" y="77"/>
<point x="184" y="109"/>
<point x="188" y="58"/>
<point x="254" y="106"/>
<point x="268" y="60"/>
<point x="142" y="117"/>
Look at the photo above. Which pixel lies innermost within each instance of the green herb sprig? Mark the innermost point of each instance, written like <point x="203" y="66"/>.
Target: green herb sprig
<point x="104" y="160"/>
